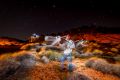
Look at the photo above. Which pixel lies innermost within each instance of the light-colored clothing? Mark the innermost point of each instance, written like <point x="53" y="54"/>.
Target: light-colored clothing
<point x="70" y="44"/>
<point x="67" y="51"/>
<point x="67" y="54"/>
<point x="66" y="57"/>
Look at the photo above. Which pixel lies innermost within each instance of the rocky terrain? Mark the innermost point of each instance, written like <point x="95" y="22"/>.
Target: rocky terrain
<point x="99" y="60"/>
<point x="27" y="65"/>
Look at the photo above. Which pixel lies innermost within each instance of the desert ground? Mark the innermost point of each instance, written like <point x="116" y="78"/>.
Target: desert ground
<point x="100" y="60"/>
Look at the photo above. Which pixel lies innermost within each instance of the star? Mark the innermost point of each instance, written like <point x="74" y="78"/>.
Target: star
<point x="54" y="6"/>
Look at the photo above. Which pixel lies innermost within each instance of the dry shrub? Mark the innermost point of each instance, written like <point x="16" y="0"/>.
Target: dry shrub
<point x="104" y="66"/>
<point x="114" y="50"/>
<point x="51" y="54"/>
<point x="97" y="51"/>
<point x="118" y="46"/>
<point x="25" y="56"/>
<point x="117" y="58"/>
<point x="110" y="53"/>
<point x="26" y="60"/>
<point x="77" y="76"/>
<point x="29" y="46"/>
<point x="8" y="68"/>
<point x="5" y="56"/>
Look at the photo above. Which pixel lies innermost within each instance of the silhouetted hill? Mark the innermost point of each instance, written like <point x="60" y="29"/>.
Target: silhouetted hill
<point x="8" y="44"/>
<point x="95" y="33"/>
<point x="94" y="29"/>
<point x="11" y="39"/>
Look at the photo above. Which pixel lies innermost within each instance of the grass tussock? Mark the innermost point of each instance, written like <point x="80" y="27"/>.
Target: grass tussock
<point x="51" y="54"/>
<point x="103" y="66"/>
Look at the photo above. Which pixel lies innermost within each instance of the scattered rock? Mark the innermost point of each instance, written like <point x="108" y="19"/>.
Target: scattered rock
<point x="45" y="59"/>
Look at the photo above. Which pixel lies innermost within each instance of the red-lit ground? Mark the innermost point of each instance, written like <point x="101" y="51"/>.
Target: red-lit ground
<point x="105" y="44"/>
<point x="99" y="37"/>
<point x="51" y="71"/>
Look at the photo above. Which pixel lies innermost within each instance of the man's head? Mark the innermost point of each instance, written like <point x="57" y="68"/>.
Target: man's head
<point x="68" y="37"/>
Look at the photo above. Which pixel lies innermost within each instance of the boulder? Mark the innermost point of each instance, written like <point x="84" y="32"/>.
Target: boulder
<point x="44" y="59"/>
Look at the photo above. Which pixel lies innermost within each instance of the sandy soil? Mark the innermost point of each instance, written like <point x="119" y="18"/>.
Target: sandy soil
<point x="51" y="71"/>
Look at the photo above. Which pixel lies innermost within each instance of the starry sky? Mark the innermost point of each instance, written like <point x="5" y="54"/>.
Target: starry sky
<point x="21" y="18"/>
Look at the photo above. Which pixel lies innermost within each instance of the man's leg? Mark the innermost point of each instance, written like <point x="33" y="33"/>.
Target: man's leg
<point x="70" y="65"/>
<point x="62" y="59"/>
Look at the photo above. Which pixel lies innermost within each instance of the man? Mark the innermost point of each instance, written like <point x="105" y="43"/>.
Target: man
<point x="67" y="54"/>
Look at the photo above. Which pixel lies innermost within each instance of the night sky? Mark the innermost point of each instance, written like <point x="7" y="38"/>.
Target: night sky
<point x="21" y="18"/>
